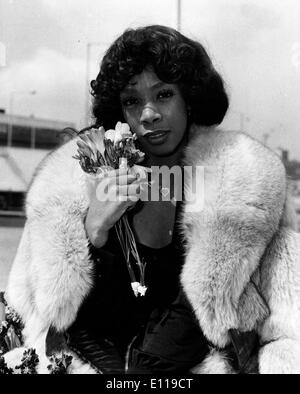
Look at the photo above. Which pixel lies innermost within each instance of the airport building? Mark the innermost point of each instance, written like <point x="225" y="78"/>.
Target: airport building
<point x="24" y="142"/>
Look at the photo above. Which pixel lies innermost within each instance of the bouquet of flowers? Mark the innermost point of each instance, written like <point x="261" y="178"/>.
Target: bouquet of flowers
<point x="99" y="151"/>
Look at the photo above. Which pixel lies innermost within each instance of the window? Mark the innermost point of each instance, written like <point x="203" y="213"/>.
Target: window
<point x="3" y="133"/>
<point x="12" y="201"/>
<point x="46" y="138"/>
<point x="30" y="137"/>
<point x="21" y="136"/>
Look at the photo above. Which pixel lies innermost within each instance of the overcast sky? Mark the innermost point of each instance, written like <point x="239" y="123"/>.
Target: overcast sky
<point x="255" y="44"/>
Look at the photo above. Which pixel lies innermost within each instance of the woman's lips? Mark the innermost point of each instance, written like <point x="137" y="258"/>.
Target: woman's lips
<point x="157" y="137"/>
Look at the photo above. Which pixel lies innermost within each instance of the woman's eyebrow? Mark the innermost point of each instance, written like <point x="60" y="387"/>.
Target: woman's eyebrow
<point x="128" y="89"/>
<point x="131" y="88"/>
<point x="158" y="85"/>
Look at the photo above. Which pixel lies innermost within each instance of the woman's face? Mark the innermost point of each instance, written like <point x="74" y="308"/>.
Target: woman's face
<point x="156" y="112"/>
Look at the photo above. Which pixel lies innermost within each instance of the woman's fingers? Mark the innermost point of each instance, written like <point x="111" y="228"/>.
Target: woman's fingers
<point x="139" y="171"/>
<point x="125" y="179"/>
<point x="121" y="176"/>
<point x="113" y="180"/>
<point x="129" y="190"/>
<point x="120" y="186"/>
<point x="117" y="172"/>
<point x="109" y="190"/>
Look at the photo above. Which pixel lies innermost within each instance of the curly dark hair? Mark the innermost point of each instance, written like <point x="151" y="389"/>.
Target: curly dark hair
<point x="174" y="58"/>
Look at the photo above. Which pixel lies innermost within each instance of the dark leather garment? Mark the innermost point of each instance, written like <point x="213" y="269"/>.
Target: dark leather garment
<point x="171" y="342"/>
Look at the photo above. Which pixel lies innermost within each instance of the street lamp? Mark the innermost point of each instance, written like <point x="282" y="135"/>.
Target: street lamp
<point x="11" y="111"/>
<point x="178" y="15"/>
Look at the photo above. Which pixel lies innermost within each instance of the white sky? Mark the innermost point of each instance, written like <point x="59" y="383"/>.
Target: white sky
<point x="255" y="44"/>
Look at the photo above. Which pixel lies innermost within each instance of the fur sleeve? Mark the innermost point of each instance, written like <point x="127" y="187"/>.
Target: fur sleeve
<point x="60" y="268"/>
<point x="52" y="272"/>
<point x="244" y="191"/>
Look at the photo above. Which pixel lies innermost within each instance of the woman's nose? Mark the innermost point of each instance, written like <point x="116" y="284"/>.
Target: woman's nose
<point x="149" y="115"/>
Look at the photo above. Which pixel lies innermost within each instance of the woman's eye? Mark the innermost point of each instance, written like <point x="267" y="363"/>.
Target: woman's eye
<point x="164" y="94"/>
<point x="129" y="101"/>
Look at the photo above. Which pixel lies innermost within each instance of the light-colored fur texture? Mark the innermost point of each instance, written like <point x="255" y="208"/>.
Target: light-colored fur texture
<point x="215" y="363"/>
<point x="241" y="267"/>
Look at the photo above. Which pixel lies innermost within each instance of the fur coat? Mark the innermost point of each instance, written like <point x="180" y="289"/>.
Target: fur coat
<point x="242" y="260"/>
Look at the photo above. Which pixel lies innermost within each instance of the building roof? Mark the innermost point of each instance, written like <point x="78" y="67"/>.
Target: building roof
<point x="32" y="121"/>
<point x="17" y="166"/>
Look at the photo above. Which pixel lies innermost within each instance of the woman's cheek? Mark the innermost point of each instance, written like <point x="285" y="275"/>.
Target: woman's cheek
<point x="133" y="123"/>
<point x="127" y="117"/>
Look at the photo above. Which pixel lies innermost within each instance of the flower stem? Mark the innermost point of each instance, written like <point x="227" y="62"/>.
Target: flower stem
<point x="128" y="245"/>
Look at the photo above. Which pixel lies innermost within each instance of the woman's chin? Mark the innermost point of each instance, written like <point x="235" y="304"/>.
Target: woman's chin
<point x="164" y="150"/>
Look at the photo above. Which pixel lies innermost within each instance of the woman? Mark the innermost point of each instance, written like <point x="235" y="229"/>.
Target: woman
<point x="223" y="291"/>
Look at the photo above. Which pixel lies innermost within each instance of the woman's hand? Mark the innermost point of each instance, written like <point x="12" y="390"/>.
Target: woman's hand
<point x="111" y="197"/>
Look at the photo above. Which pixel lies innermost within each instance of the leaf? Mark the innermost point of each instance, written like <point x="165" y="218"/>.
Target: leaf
<point x="96" y="136"/>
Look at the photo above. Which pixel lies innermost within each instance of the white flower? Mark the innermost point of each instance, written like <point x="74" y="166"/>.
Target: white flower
<point x="110" y="135"/>
<point x="138" y="289"/>
<point x="142" y="290"/>
<point x="3" y="324"/>
<point x="121" y="132"/>
<point x="135" y="286"/>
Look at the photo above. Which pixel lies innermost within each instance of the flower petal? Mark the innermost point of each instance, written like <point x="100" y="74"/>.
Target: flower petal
<point x="135" y="286"/>
<point x="142" y="290"/>
<point x="110" y="135"/>
<point x="97" y="137"/>
<point x="123" y="128"/>
<point x="84" y="149"/>
<point x="118" y="136"/>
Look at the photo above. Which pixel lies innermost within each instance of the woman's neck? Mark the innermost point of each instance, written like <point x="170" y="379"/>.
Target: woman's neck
<point x="170" y="160"/>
